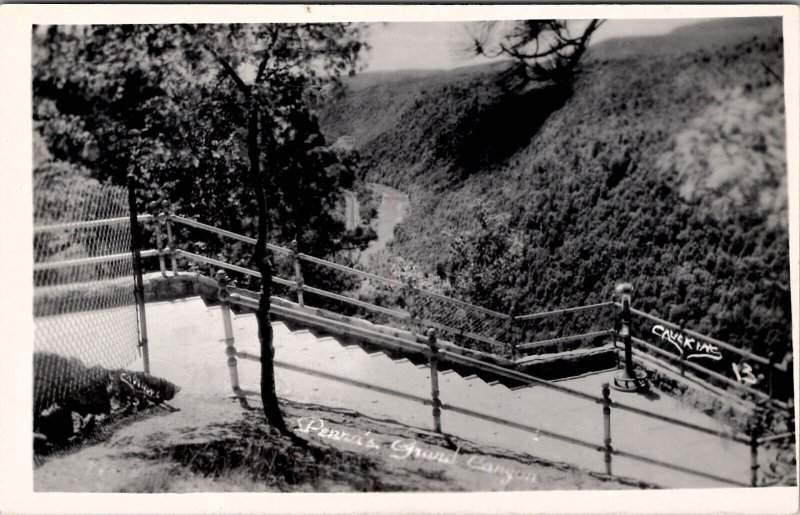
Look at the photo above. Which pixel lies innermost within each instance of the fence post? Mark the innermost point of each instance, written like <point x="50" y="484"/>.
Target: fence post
<point x="434" y="359"/>
<point x="160" y="244"/>
<point x="230" y="349"/>
<point x="512" y="331"/>
<point x="753" y="459"/>
<point x="170" y="239"/>
<point x="406" y="292"/>
<point x="138" y="284"/>
<point x="771" y="374"/>
<point x="607" y="427"/>
<point x="298" y="272"/>
<point x="683" y="354"/>
<point x="755" y="432"/>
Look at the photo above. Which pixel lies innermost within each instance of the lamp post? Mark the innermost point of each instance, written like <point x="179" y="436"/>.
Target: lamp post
<point x="628" y="379"/>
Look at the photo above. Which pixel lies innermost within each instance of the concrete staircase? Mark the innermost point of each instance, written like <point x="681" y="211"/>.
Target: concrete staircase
<point x="187" y="348"/>
<point x="537" y="406"/>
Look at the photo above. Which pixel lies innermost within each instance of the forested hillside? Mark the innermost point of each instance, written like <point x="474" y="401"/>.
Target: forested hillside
<point x="664" y="166"/>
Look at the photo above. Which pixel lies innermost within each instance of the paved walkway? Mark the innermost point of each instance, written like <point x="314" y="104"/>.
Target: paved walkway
<point x="187" y="348"/>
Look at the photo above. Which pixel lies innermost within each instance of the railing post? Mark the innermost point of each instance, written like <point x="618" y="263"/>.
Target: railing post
<point x="160" y="243"/>
<point x="753" y="459"/>
<point x="434" y="359"/>
<point x="513" y="326"/>
<point x="230" y="349"/>
<point x="298" y="272"/>
<point x="513" y="330"/>
<point x="170" y="239"/>
<point x="683" y="354"/>
<point x="771" y="374"/>
<point x="755" y="432"/>
<point x="411" y="306"/>
<point x="607" y="427"/>
<point x="138" y="284"/>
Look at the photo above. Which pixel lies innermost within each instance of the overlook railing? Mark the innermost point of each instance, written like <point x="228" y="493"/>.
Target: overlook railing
<point x="429" y="345"/>
<point x="519" y="338"/>
<point x="427" y="315"/>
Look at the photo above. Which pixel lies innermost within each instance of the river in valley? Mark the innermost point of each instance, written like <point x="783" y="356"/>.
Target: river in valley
<point x="391" y="211"/>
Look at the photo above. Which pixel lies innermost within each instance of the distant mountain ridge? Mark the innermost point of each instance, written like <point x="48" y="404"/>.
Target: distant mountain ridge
<point x="689" y="38"/>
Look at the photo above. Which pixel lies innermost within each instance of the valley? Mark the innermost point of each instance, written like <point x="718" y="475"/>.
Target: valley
<point x="660" y="167"/>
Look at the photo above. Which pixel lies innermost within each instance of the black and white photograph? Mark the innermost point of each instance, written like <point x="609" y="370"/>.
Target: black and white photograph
<point x="498" y="254"/>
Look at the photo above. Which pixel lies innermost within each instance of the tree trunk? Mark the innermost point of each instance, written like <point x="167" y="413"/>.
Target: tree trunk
<point x="264" y="265"/>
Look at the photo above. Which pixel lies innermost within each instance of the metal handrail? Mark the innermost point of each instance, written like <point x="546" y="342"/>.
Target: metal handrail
<point x="474" y="336"/>
<point x="227" y="234"/>
<point x="397" y="343"/>
<point x="700" y="368"/>
<point x="356" y="302"/>
<point x="335" y="296"/>
<point x="427" y="402"/>
<point x="344" y="268"/>
<point x="392" y="342"/>
<point x="490" y="418"/>
<point x="228" y="266"/>
<point x="53" y="265"/>
<point x="727" y="394"/>
<point x="401" y="314"/>
<point x="394" y="282"/>
<point x="462" y="303"/>
<point x="216" y="262"/>
<point x="775" y="438"/>
<point x="467" y="334"/>
<point x="544" y="343"/>
<point x="89" y="223"/>
<point x="564" y="311"/>
<point x="513" y="374"/>
<point x="532" y="316"/>
<point x="695" y="334"/>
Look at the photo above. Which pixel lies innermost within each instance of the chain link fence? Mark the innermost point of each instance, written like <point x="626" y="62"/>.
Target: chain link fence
<point x="85" y="313"/>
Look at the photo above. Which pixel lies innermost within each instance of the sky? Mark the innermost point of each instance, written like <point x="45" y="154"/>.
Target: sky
<point x="442" y="45"/>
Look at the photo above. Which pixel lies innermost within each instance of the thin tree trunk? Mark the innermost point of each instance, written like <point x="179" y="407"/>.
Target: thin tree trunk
<point x="264" y="265"/>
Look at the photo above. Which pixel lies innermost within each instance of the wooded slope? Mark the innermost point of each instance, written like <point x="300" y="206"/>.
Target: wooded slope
<point x="665" y="166"/>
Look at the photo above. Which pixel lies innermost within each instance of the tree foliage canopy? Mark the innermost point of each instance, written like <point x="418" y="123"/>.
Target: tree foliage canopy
<point x="171" y="101"/>
<point x="212" y="118"/>
<point x="543" y="50"/>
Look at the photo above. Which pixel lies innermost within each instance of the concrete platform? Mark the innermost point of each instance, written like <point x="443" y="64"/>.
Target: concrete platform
<point x="186" y="347"/>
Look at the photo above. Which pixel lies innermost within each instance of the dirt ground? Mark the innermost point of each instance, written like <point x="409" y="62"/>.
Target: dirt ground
<point x="214" y="445"/>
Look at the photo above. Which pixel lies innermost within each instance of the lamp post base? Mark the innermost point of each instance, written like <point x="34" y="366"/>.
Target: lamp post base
<point x="625" y="383"/>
